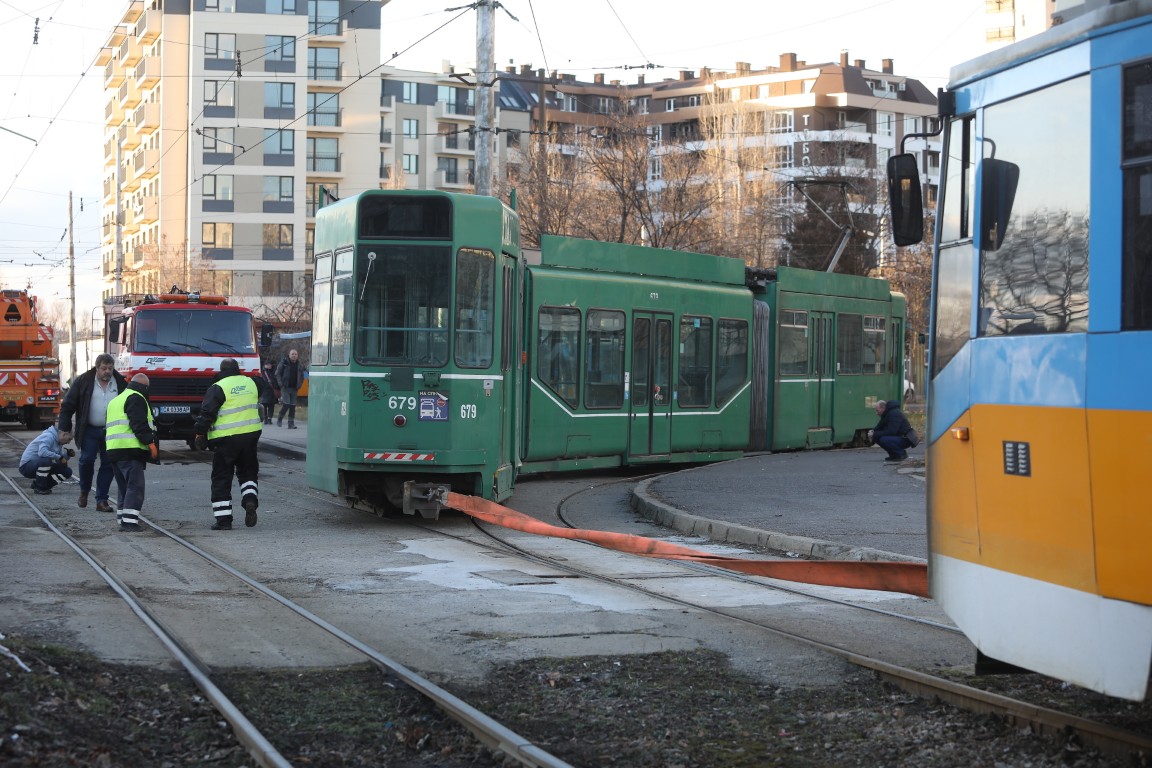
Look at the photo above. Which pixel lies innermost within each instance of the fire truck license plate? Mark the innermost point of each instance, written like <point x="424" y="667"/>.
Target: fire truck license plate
<point x="175" y="409"/>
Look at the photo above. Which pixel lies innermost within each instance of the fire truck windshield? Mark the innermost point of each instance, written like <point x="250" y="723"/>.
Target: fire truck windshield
<point x="206" y="331"/>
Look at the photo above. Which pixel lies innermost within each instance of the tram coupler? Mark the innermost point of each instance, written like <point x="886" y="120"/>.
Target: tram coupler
<point x="427" y="499"/>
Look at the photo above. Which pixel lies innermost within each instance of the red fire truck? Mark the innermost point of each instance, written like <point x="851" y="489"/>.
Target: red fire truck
<point x="178" y="339"/>
<point x="29" y="373"/>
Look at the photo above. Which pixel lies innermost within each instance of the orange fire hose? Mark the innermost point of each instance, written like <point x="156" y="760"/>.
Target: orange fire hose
<point x="909" y="578"/>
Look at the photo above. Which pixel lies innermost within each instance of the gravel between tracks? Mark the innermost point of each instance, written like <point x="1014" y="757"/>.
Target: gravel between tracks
<point x="673" y="710"/>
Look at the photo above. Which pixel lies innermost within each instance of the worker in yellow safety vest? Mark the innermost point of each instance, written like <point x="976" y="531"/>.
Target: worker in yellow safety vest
<point x="230" y="423"/>
<point x="130" y="441"/>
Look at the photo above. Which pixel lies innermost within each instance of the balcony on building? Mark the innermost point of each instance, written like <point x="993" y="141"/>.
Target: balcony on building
<point x="146" y="163"/>
<point x="129" y="94"/>
<point x="129" y="182"/>
<point x="318" y="27"/>
<point x="127" y="137"/>
<point x="148" y="27"/>
<point x="326" y="119"/>
<point x="110" y="152"/>
<point x="323" y="163"/>
<point x="148" y="209"/>
<point x="113" y="112"/>
<point x="135" y="11"/>
<point x="456" y="143"/>
<point x="385" y="171"/>
<point x="113" y="74"/>
<point x="147" y="117"/>
<point x="130" y="52"/>
<point x="457" y="179"/>
<point x="451" y="110"/>
<point x="386" y="137"/>
<point x="148" y="72"/>
<point x="324" y="74"/>
<point x="387" y="102"/>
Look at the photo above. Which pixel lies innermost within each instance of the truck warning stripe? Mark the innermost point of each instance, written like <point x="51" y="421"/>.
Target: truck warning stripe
<point x="398" y="456"/>
<point x="909" y="578"/>
<point x="14" y="378"/>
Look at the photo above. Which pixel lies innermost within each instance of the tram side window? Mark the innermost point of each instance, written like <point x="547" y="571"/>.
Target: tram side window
<point x="694" y="382"/>
<point x="342" y="310"/>
<point x="1136" y="271"/>
<point x="604" y="359"/>
<point x="1034" y="253"/>
<point x="557" y="349"/>
<point x="475" y="273"/>
<point x="874" y="333"/>
<point x="321" y="307"/>
<point x="793" y="342"/>
<point x="731" y="358"/>
<point x="849" y="344"/>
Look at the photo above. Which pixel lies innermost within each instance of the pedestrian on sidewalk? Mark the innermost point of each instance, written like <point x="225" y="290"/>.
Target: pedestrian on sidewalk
<point x="45" y="460"/>
<point x="271" y="392"/>
<point x="290" y="376"/>
<point x="889" y="433"/>
<point x="88" y="400"/>
<point x="131" y="441"/>
<point x="230" y="422"/>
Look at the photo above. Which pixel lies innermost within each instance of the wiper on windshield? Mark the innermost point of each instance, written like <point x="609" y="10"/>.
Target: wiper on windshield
<point x="221" y="343"/>
<point x="196" y="347"/>
<point x="164" y="347"/>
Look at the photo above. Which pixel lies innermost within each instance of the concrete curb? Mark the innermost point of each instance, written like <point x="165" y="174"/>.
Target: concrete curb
<point x="643" y="503"/>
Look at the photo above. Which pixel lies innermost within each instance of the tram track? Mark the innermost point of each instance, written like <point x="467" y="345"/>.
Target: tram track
<point x="187" y="650"/>
<point x="1054" y="723"/>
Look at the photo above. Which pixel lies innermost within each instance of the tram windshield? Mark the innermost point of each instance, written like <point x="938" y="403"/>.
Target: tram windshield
<point x="403" y="296"/>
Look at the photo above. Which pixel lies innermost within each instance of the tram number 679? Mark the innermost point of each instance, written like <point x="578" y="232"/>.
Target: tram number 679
<point x="397" y="403"/>
<point x="468" y="411"/>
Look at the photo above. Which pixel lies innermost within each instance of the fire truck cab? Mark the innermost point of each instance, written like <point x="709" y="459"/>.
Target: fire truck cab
<point x="178" y="339"/>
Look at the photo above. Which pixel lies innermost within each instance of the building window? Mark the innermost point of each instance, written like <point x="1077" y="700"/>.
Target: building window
<point x="320" y="195"/>
<point x="324" y="17"/>
<point x="278" y="236"/>
<point x="642" y="105"/>
<point x="885" y="124"/>
<point x="280" y="7"/>
<point x="408" y="93"/>
<point x="781" y="121"/>
<point x="604" y="105"/>
<point x="220" y="6"/>
<point x="216" y="234"/>
<point x="280" y="96"/>
<point x="411" y="128"/>
<point x="411" y="163"/>
<point x="219" y="93"/>
<point x="323" y="63"/>
<point x="219" y="140"/>
<point x="447" y="166"/>
<point x="277" y="283"/>
<point x="568" y="104"/>
<point x="324" y="109"/>
<point x="324" y="154"/>
<point x="655" y="169"/>
<point x="220" y="45"/>
<point x="279" y="142"/>
<point x="694" y="101"/>
<point x="669" y="105"/>
<point x="217" y="187"/>
<point x="280" y="48"/>
<point x="278" y="189"/>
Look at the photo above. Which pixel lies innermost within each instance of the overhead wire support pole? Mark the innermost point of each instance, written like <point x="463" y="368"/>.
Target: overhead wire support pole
<point x="485" y="93"/>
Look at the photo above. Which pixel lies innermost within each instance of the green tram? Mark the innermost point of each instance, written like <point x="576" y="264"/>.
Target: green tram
<point x="445" y="357"/>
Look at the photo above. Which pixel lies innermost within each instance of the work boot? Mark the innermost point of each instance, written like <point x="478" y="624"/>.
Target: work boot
<point x="83" y="500"/>
<point x="42" y="491"/>
<point x="291" y="425"/>
<point x="279" y="422"/>
<point x="130" y="527"/>
<point x="222" y="525"/>
<point x="249" y="512"/>
<point x="104" y="506"/>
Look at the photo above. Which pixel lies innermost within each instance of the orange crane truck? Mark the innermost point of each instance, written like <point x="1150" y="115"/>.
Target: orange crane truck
<point x="29" y="371"/>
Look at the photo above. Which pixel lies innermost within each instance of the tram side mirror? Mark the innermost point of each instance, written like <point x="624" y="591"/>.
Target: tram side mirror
<point x="116" y="328"/>
<point x="999" y="179"/>
<point x="905" y="199"/>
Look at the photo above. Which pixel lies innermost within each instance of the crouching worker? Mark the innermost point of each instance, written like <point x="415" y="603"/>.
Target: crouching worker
<point x="131" y="442"/>
<point x="45" y="460"/>
<point x="230" y="422"/>
<point x="889" y="433"/>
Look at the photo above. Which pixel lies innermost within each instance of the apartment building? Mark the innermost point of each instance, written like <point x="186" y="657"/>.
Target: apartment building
<point x="223" y="121"/>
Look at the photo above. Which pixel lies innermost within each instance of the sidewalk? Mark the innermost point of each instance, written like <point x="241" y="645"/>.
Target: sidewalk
<point x="294" y="441"/>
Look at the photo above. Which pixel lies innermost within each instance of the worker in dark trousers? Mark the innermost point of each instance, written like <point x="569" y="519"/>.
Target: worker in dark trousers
<point x="130" y="440"/>
<point x="231" y="424"/>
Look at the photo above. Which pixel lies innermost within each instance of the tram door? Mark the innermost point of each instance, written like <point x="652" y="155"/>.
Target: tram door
<point x="820" y="393"/>
<point x="650" y="418"/>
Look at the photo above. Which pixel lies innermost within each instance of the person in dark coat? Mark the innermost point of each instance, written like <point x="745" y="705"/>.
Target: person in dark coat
<point x="131" y="442"/>
<point x="890" y="432"/>
<point x="230" y="422"/>
<point x="88" y="400"/>
<point x="290" y="376"/>
<point x="271" y="392"/>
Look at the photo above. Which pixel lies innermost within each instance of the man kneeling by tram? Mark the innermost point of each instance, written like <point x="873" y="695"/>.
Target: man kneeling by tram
<point x="231" y="423"/>
<point x="890" y="432"/>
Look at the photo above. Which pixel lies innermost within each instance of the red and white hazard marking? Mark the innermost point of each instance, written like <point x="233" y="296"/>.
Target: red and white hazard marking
<point x="13" y="378"/>
<point x="396" y="456"/>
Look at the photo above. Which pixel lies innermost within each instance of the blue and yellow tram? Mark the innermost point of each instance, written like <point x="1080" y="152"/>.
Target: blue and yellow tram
<point x="1040" y="417"/>
<point x="446" y="358"/>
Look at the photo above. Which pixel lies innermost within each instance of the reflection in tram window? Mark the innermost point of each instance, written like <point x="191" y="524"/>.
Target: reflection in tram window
<point x="849" y="343"/>
<point x="731" y="358"/>
<point x="694" y="384"/>
<point x="557" y="350"/>
<point x="604" y="372"/>
<point x="793" y="340"/>
<point x="474" y="297"/>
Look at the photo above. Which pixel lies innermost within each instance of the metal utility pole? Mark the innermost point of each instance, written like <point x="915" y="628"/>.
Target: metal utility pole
<point x="72" y="288"/>
<point x="485" y="93"/>
<point x="117" y="289"/>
